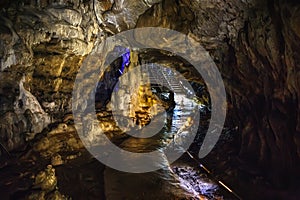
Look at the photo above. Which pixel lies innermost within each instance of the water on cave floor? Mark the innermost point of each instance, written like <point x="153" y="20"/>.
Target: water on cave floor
<point x="78" y="175"/>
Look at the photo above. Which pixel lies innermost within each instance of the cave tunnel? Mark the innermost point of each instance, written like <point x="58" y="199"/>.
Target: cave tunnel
<point x="105" y="99"/>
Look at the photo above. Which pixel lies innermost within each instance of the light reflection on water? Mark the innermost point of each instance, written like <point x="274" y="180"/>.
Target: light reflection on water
<point x="195" y="182"/>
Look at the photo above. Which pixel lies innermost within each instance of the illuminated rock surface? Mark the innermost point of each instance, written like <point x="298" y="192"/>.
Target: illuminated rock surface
<point x="255" y="45"/>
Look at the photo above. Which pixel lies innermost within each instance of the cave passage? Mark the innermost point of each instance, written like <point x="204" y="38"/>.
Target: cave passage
<point x="143" y="96"/>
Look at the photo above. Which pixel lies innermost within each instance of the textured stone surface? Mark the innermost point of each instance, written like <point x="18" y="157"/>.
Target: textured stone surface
<point x="268" y="101"/>
<point x="42" y="46"/>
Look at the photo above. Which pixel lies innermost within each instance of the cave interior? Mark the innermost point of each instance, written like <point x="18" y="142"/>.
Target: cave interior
<point x="152" y="99"/>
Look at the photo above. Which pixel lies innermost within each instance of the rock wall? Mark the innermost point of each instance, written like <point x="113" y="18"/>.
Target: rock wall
<point x="264" y="90"/>
<point x="42" y="46"/>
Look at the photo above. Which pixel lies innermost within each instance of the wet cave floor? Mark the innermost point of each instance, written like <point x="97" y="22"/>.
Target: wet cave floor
<point x="55" y="165"/>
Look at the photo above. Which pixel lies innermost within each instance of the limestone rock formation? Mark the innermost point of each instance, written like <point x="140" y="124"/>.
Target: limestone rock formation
<point x="255" y="45"/>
